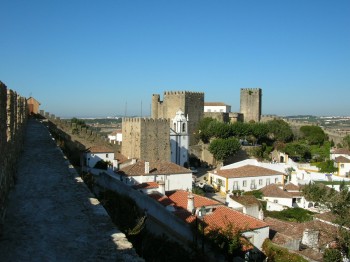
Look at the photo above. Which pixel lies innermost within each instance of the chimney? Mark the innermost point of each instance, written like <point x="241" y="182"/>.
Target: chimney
<point x="161" y="185"/>
<point x="146" y="168"/>
<point x="190" y="202"/>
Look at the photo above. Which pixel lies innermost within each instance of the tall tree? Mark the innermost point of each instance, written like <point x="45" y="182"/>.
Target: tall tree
<point x="280" y="130"/>
<point x="224" y="148"/>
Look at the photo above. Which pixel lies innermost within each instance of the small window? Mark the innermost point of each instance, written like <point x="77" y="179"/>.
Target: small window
<point x="342" y="165"/>
<point x="275" y="201"/>
<point x="175" y="126"/>
<point x="260" y="182"/>
<point x="267" y="181"/>
<point x="244" y="182"/>
<point x="183" y="127"/>
<point x="106" y="155"/>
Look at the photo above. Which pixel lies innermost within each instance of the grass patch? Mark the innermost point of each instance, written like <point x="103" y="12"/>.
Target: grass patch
<point x="291" y="215"/>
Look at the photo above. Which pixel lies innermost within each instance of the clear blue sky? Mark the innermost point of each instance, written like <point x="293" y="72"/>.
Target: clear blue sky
<point x="92" y="58"/>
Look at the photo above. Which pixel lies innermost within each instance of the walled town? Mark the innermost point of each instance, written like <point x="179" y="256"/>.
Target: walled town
<point x="192" y="182"/>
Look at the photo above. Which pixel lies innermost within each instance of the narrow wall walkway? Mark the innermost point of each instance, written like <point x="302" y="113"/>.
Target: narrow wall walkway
<point x="51" y="215"/>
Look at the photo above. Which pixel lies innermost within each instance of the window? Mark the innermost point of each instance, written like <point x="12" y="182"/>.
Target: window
<point x="244" y="183"/>
<point x="106" y="155"/>
<point x="174" y="126"/>
<point x="260" y="182"/>
<point x="267" y="181"/>
<point x="276" y="180"/>
<point x="183" y="127"/>
<point x="275" y="201"/>
<point x="342" y="165"/>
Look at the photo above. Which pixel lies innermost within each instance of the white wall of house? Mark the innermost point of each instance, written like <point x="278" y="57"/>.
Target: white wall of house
<point x="277" y="203"/>
<point x="244" y="183"/>
<point x="218" y="108"/>
<point x="251" y="210"/>
<point x="258" y="236"/>
<point x="116" y="139"/>
<point x="334" y="156"/>
<point x="172" y="182"/>
<point x="344" y="169"/>
<point x="93" y="158"/>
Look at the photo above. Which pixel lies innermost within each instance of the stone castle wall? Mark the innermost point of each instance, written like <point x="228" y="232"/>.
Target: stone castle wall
<point x="146" y="138"/>
<point x="250" y="104"/>
<point x="191" y="103"/>
<point x="13" y="117"/>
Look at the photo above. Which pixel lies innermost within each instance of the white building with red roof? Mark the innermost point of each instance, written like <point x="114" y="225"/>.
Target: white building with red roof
<point x="95" y="154"/>
<point x="116" y="137"/>
<point x="244" y="178"/>
<point x="174" y="176"/>
<point x="213" y="215"/>
<point x="216" y="107"/>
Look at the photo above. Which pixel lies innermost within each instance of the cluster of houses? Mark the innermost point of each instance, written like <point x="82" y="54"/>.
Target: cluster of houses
<point x="171" y="184"/>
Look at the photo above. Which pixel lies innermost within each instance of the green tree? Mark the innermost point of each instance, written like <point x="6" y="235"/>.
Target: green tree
<point x="223" y="148"/>
<point x="313" y="135"/>
<point x="327" y="166"/>
<point x="240" y="130"/>
<point x="332" y="255"/>
<point x="298" y="149"/>
<point x="204" y="132"/>
<point x="346" y="141"/>
<point x="259" y="131"/>
<point x="279" y="130"/>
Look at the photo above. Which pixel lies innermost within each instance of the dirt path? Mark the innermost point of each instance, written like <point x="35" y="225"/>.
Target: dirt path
<point x="51" y="215"/>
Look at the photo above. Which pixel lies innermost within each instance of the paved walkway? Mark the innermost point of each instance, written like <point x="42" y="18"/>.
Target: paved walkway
<point x="51" y="215"/>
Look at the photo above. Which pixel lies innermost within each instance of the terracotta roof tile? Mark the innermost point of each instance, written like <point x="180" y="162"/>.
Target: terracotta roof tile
<point x="340" y="151"/>
<point x="179" y="198"/>
<point x="99" y="149"/>
<point x="246" y="200"/>
<point x="146" y="185"/>
<point x="214" y="104"/>
<point x="273" y="190"/>
<point x="291" y="187"/>
<point x="155" y="168"/>
<point x="342" y="159"/>
<point x="121" y="158"/>
<point x="222" y="216"/>
<point x="247" y="171"/>
<point x="163" y="200"/>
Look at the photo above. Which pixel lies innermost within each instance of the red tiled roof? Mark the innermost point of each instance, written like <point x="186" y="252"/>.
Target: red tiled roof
<point x="99" y="149"/>
<point x="121" y="158"/>
<point x="214" y="104"/>
<point x="118" y="131"/>
<point x="163" y="200"/>
<point x="273" y="190"/>
<point x="246" y="200"/>
<point x="180" y="198"/>
<point x="146" y="185"/>
<point x="342" y="159"/>
<point x="223" y="216"/>
<point x="155" y="168"/>
<point x="247" y="171"/>
<point x="291" y="187"/>
<point x="340" y="151"/>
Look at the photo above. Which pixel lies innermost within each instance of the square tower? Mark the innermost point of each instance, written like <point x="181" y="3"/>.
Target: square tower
<point x="251" y="104"/>
<point x="191" y="103"/>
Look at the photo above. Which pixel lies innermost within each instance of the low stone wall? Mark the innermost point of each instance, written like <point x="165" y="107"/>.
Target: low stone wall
<point x="13" y="117"/>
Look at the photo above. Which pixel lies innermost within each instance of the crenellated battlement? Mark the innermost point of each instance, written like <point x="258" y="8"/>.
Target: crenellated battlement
<point x="144" y="119"/>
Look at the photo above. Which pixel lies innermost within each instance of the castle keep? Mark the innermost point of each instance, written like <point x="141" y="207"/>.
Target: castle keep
<point x="251" y="104"/>
<point x="191" y="103"/>
<point x="146" y="138"/>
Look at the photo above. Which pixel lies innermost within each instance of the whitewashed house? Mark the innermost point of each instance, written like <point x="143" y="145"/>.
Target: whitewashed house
<point x="174" y="176"/>
<point x="282" y="197"/>
<point x="179" y="139"/>
<point x="191" y="208"/>
<point x="116" y="137"/>
<point x="216" y="107"/>
<point x="244" y="178"/>
<point x="337" y="152"/>
<point x="247" y="204"/>
<point x="95" y="154"/>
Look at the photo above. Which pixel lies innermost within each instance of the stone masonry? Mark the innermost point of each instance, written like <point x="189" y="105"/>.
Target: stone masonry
<point x="13" y="117"/>
<point x="191" y="103"/>
<point x="146" y="138"/>
<point x="250" y="104"/>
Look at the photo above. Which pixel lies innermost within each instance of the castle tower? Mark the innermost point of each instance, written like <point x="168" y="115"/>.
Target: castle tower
<point x="146" y="138"/>
<point x="179" y="139"/>
<point x="251" y="104"/>
<point x="192" y="104"/>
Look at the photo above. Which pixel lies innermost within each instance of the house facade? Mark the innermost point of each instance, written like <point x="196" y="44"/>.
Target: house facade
<point x="244" y="178"/>
<point x="33" y="105"/>
<point x="174" y="176"/>
<point x="116" y="137"/>
<point x="216" y="107"/>
<point x="95" y="154"/>
<point x="247" y="204"/>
